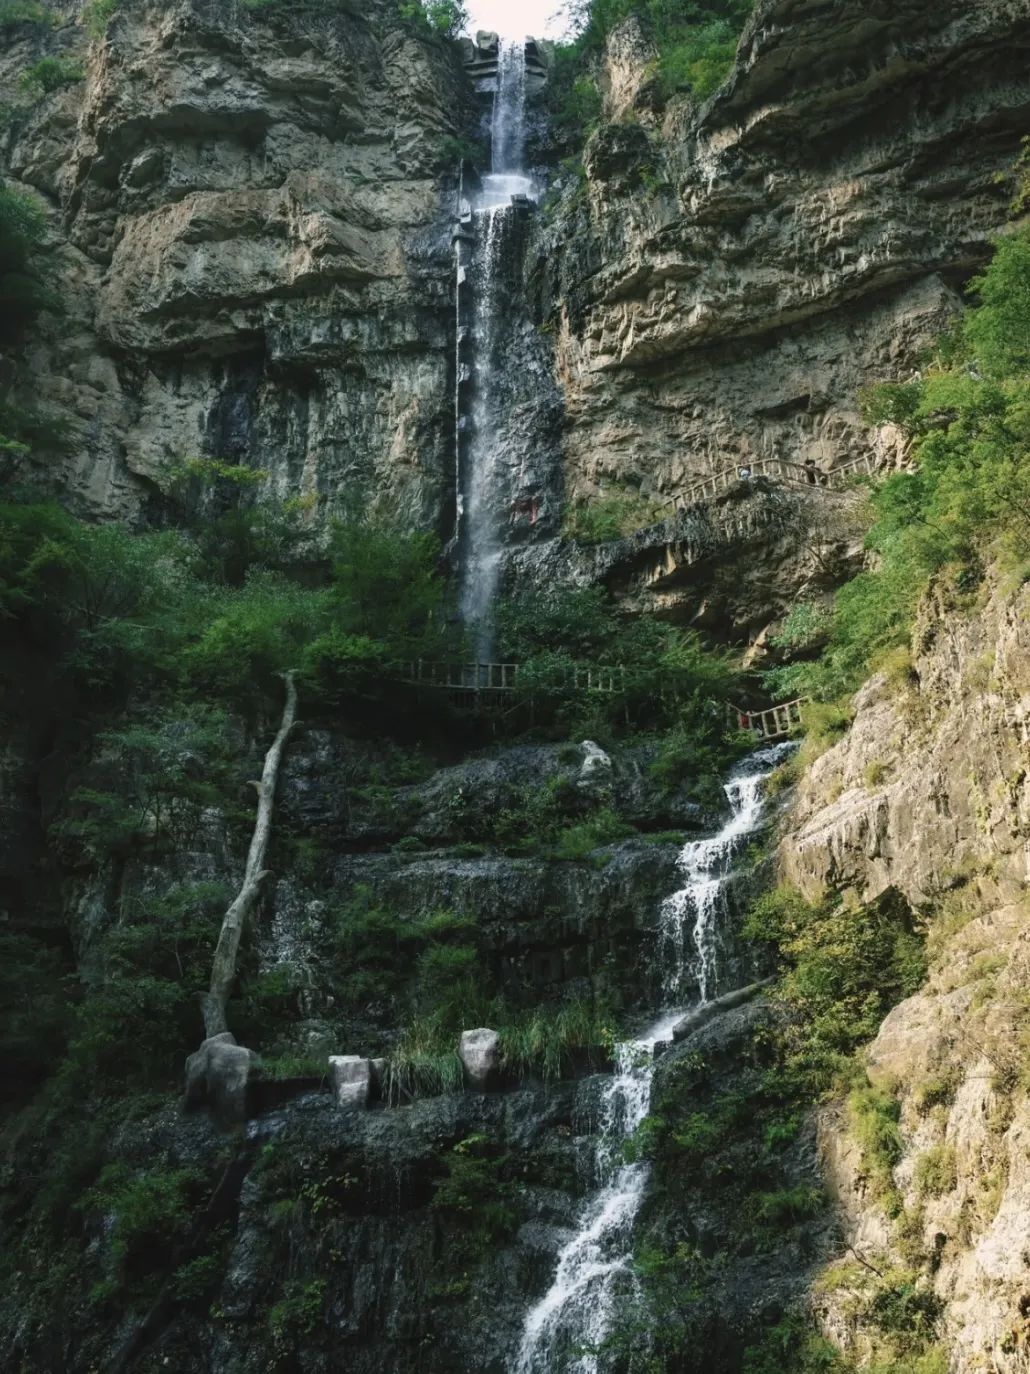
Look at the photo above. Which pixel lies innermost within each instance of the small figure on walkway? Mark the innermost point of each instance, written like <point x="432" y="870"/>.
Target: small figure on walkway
<point x="811" y="473"/>
<point x="745" y="474"/>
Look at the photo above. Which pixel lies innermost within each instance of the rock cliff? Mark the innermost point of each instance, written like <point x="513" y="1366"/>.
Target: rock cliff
<point x="927" y="797"/>
<point x="253" y="248"/>
<point x="250" y="212"/>
<point x="724" y="280"/>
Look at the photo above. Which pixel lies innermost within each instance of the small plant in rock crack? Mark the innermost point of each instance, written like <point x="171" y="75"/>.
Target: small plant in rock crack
<point x="298" y="1312"/>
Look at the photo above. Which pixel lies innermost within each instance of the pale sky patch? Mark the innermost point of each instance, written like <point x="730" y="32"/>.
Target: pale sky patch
<point x="517" y="18"/>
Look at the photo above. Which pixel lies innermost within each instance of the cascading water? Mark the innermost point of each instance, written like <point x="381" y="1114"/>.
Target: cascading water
<point x="565" y="1330"/>
<point x="482" y="478"/>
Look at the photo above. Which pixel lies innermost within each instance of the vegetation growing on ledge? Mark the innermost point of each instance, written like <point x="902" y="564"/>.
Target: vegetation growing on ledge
<point x="966" y="500"/>
<point x="696" y="42"/>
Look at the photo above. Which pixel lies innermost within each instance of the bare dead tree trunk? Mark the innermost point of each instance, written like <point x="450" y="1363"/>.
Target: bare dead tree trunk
<point x="223" y="967"/>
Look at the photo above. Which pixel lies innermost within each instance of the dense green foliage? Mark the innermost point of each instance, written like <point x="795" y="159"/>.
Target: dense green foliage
<point x="445" y="17"/>
<point x="696" y="42"/>
<point x="665" y="676"/>
<point x="23" y="291"/>
<point x="50" y="74"/>
<point x="24" y="295"/>
<point x="967" y="499"/>
<point x="14" y="13"/>
<point x="610" y="517"/>
<point x="177" y="618"/>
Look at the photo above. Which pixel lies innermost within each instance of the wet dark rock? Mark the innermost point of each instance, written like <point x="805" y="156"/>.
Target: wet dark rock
<point x="217" y="1076"/>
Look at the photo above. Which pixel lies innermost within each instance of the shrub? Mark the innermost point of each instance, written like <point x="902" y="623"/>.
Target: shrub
<point x="609" y="518"/>
<point x="23" y="293"/>
<point x="15" y="13"/>
<point x="445" y="17"/>
<point x="786" y="1207"/>
<point x="97" y="15"/>
<point x="152" y="1212"/>
<point x="935" y="1172"/>
<point x="49" y="74"/>
<point x="875" y="1115"/>
<point x="844" y="968"/>
<point x="299" y="1311"/>
<point x="475" y="1195"/>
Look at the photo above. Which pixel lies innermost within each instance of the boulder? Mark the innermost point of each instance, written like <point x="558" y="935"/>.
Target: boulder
<point x="217" y="1076"/>
<point x="480" y="1053"/>
<point x="351" y="1077"/>
<point x="596" y="768"/>
<point x="379" y="1073"/>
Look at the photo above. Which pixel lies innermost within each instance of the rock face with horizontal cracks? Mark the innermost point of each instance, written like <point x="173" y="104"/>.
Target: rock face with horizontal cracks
<point x="254" y="254"/>
<point x="799" y="543"/>
<point x="928" y="797"/>
<point x="723" y="285"/>
<point x="929" y="788"/>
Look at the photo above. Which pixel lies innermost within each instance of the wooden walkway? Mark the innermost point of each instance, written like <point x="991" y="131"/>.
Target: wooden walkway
<point x="503" y="677"/>
<point x="772" y="722"/>
<point x="478" y="683"/>
<point x="776" y="468"/>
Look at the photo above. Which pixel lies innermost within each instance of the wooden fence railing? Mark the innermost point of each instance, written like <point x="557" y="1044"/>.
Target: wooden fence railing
<point x="503" y="677"/>
<point x="777" y="468"/>
<point x="495" y="679"/>
<point x="773" y="722"/>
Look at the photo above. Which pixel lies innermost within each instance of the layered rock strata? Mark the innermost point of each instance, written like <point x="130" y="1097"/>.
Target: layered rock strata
<point x="252" y="249"/>
<point x="927" y="799"/>
<point x="724" y="280"/>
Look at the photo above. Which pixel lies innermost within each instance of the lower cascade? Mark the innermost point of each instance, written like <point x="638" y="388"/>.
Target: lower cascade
<point x="566" y="1329"/>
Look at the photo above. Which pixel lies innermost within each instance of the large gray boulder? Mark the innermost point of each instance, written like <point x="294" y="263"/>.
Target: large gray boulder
<point x="480" y="1053"/>
<point x="351" y="1077"/>
<point x="595" y="773"/>
<point x="217" y="1076"/>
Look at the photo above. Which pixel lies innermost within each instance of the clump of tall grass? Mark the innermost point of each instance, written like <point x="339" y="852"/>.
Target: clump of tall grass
<point x="424" y="1064"/>
<point x="546" y="1043"/>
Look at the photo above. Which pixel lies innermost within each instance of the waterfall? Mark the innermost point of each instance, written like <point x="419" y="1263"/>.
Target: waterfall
<point x="484" y="497"/>
<point x="565" y="1330"/>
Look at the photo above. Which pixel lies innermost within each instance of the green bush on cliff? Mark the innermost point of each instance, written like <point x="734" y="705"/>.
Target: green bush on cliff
<point x="23" y="292"/>
<point x="15" y="13"/>
<point x="659" y="675"/>
<point x="50" y="74"/>
<point x="967" y="497"/>
<point x="843" y="968"/>
<point x="696" y="41"/>
<point x="445" y="17"/>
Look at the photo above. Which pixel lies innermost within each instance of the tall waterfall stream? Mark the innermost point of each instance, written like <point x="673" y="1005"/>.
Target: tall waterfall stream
<point x="492" y="215"/>
<point x="563" y="1332"/>
<point x="566" y="1328"/>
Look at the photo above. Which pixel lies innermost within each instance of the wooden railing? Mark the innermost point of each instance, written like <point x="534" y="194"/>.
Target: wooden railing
<point x="493" y="679"/>
<point x="778" y="469"/>
<point x="773" y="722"/>
<point x="503" y="677"/>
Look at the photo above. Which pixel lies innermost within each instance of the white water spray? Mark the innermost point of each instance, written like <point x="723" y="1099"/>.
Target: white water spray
<point x="564" y="1332"/>
<point x="493" y="218"/>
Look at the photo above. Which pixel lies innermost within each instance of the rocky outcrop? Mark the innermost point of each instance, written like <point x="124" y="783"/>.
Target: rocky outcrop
<point x="217" y="1076"/>
<point x="723" y="288"/>
<point x="929" y="792"/>
<point x="799" y="542"/>
<point x="927" y="797"/>
<point x="254" y="253"/>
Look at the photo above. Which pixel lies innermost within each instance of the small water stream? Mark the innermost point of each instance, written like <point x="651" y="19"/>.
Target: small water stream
<point x="564" y="1331"/>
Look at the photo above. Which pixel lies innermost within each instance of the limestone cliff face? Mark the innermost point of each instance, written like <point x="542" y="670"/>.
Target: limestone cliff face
<point x="928" y="796"/>
<point x="726" y="278"/>
<point x="254" y="251"/>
